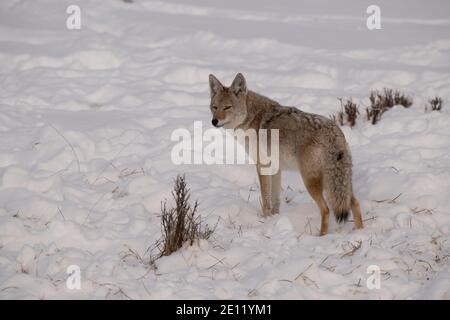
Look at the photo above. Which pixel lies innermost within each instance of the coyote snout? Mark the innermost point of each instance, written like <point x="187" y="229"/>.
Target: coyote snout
<point x="309" y="143"/>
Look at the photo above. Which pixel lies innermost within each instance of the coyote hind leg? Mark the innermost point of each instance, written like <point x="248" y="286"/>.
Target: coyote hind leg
<point x="315" y="189"/>
<point x="356" y="210"/>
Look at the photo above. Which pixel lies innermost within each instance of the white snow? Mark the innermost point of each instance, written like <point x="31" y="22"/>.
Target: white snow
<point x="85" y="125"/>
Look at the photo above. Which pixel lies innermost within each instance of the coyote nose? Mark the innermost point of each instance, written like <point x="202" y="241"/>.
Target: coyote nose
<point x="215" y="122"/>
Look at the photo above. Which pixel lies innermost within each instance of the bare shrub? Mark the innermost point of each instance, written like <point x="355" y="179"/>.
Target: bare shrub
<point x="348" y="114"/>
<point x="382" y="101"/>
<point x="180" y="224"/>
<point x="435" y="104"/>
<point x="351" y="112"/>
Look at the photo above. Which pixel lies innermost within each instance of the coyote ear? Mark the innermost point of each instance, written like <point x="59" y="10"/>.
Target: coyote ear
<point x="239" y="86"/>
<point x="214" y="85"/>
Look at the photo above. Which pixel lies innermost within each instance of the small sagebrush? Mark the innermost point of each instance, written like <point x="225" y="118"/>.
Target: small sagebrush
<point x="180" y="224"/>
<point x="348" y="114"/>
<point x="435" y="104"/>
<point x="382" y="101"/>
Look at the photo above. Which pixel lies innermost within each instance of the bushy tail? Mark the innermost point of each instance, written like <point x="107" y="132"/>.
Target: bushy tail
<point x="338" y="182"/>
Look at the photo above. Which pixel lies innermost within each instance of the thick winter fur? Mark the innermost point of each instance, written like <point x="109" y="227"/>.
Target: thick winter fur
<point x="310" y="143"/>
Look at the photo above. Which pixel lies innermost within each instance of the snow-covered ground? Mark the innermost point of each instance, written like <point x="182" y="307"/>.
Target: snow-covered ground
<point x="85" y="125"/>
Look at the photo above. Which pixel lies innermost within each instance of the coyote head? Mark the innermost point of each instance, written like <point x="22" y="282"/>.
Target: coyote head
<point x="228" y="104"/>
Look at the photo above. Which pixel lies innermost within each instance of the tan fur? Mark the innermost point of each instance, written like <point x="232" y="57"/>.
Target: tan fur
<point x="356" y="213"/>
<point x="309" y="143"/>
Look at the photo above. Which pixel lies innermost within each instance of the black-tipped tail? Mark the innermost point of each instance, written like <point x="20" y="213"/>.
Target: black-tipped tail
<point x="342" y="216"/>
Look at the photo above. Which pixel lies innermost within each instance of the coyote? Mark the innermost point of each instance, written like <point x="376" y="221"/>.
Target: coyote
<point x="310" y="143"/>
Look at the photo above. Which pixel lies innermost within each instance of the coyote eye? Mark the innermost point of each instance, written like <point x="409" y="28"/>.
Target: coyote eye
<point x="227" y="108"/>
<point x="214" y="107"/>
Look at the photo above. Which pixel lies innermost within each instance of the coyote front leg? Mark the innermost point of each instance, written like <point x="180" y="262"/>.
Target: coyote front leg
<point x="265" y="184"/>
<point x="276" y="189"/>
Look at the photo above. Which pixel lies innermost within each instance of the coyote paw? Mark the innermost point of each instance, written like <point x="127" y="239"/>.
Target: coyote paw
<point x="266" y="212"/>
<point x="269" y="212"/>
